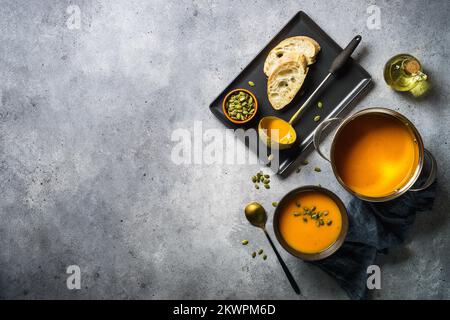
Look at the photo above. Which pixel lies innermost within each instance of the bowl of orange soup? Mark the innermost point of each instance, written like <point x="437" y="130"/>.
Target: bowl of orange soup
<point x="310" y="222"/>
<point x="376" y="154"/>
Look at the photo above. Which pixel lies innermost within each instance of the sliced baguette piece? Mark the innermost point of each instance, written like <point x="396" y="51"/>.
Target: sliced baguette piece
<point x="299" y="44"/>
<point x="285" y="82"/>
<point x="287" y="57"/>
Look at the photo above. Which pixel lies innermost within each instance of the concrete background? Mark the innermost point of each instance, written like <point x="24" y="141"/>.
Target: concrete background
<point x="86" y="176"/>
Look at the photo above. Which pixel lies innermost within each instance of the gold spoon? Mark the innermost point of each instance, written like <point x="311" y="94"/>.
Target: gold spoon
<point x="287" y="141"/>
<point x="256" y="215"/>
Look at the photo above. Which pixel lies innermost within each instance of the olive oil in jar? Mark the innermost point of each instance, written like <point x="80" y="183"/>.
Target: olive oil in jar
<point x="403" y="72"/>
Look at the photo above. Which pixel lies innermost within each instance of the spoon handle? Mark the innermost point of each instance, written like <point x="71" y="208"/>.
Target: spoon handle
<point x="283" y="265"/>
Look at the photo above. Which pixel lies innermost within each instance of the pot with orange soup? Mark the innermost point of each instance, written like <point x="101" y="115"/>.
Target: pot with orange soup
<point x="377" y="154"/>
<point x="297" y="226"/>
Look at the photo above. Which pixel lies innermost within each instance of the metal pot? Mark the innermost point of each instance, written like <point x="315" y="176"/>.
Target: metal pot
<point x="408" y="186"/>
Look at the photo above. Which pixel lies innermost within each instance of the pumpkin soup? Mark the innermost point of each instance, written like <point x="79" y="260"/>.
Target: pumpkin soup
<point x="278" y="129"/>
<point x="310" y="222"/>
<point x="376" y="154"/>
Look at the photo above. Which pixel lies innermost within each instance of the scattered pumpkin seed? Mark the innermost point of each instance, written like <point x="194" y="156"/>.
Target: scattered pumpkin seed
<point x="305" y="162"/>
<point x="260" y="177"/>
<point x="329" y="222"/>
<point x="264" y="257"/>
<point x="320" y="104"/>
<point x="317" y="118"/>
<point x="317" y="169"/>
<point x="296" y="214"/>
<point x="274" y="204"/>
<point x="253" y="254"/>
<point x="305" y="220"/>
<point x="244" y="242"/>
<point x="260" y="251"/>
<point x="251" y="83"/>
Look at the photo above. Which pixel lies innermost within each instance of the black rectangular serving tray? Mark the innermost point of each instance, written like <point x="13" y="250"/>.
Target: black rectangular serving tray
<point x="339" y="92"/>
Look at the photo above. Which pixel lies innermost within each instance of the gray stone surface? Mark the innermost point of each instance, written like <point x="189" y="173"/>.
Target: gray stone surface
<point x="86" y="176"/>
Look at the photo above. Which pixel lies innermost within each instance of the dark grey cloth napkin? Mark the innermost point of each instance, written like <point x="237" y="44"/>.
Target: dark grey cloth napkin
<point x="373" y="229"/>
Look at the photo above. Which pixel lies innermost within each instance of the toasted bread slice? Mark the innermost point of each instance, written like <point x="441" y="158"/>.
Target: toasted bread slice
<point x="285" y="82"/>
<point x="299" y="44"/>
<point x="288" y="56"/>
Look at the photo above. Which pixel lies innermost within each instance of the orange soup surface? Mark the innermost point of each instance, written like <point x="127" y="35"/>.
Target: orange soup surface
<point x="376" y="155"/>
<point x="278" y="130"/>
<point x="307" y="236"/>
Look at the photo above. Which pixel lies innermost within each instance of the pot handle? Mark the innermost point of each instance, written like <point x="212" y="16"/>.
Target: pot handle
<point x="432" y="175"/>
<point x="318" y="135"/>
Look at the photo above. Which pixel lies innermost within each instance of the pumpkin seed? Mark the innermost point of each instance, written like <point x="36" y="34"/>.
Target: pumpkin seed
<point x="305" y="220"/>
<point x="296" y="214"/>
<point x="317" y="118"/>
<point x="317" y="169"/>
<point x="298" y="204"/>
<point x="266" y="186"/>
<point x="264" y="257"/>
<point x="244" y="242"/>
<point x="253" y="254"/>
<point x="320" y="104"/>
<point x="305" y="162"/>
<point x="260" y="251"/>
<point x="256" y="186"/>
<point x="274" y="204"/>
<point x="251" y="83"/>
<point x="329" y="222"/>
